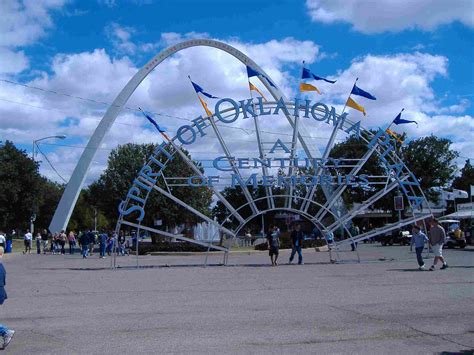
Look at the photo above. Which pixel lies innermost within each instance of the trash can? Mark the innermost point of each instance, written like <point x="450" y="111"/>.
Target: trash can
<point x="8" y="247"/>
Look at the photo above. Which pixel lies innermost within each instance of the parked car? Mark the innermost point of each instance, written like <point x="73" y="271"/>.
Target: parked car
<point x="453" y="239"/>
<point x="396" y="237"/>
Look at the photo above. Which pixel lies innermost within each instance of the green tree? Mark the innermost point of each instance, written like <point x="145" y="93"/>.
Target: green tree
<point x="432" y="161"/>
<point x="466" y="179"/>
<point x="49" y="195"/>
<point x="123" y="166"/>
<point x="20" y="187"/>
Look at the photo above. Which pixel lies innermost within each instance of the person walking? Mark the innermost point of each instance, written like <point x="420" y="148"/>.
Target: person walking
<point x="296" y="244"/>
<point x="38" y="243"/>
<point x="418" y="239"/>
<point x="62" y="241"/>
<point x="437" y="237"/>
<point x="91" y="236"/>
<point x="3" y="240"/>
<point x="71" y="239"/>
<point x="121" y="244"/>
<point x="5" y="333"/>
<point x="84" y="241"/>
<point x="102" y="244"/>
<point x="354" y="232"/>
<point x="44" y="240"/>
<point x="273" y="240"/>
<point x="27" y="238"/>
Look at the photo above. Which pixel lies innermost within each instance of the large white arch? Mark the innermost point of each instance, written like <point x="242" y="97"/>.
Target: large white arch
<point x="71" y="193"/>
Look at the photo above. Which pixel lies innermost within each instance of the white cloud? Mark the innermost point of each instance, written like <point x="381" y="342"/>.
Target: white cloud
<point x="167" y="89"/>
<point x="121" y="38"/>
<point x="387" y="15"/>
<point x="22" y="23"/>
<point x="403" y="81"/>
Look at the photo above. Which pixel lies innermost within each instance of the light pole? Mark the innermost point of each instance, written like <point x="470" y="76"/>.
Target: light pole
<point x="35" y="143"/>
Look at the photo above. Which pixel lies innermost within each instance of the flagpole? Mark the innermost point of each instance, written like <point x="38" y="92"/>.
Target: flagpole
<point x="390" y="125"/>
<point x="199" y="99"/>
<point x="271" y="202"/>
<point x="164" y="135"/>
<point x="345" y="105"/>
<point x="294" y="140"/>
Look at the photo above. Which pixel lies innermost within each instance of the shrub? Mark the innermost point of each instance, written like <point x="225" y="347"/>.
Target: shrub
<point x="166" y="246"/>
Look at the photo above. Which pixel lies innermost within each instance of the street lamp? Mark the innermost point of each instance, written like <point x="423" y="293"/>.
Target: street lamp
<point x="35" y="143"/>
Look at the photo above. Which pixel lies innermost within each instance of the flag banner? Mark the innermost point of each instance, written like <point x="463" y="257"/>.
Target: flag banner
<point x="199" y="89"/>
<point x="208" y="112"/>
<point x="399" y="120"/>
<point x="472" y="190"/>
<point x="254" y="88"/>
<point x="358" y="91"/>
<point x="307" y="74"/>
<point x="355" y="105"/>
<point x="154" y="123"/>
<point x="252" y="72"/>
<point x="309" y="87"/>
<point x="394" y="135"/>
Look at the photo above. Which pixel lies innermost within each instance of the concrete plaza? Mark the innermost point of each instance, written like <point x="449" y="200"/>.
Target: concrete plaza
<point x="66" y="305"/>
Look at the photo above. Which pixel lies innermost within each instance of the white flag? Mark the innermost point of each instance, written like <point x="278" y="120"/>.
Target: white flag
<point x="472" y="190"/>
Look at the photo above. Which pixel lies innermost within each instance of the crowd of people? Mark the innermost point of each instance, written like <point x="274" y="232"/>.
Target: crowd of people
<point x="72" y="242"/>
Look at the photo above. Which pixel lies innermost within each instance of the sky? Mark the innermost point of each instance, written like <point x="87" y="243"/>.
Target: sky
<point x="62" y="62"/>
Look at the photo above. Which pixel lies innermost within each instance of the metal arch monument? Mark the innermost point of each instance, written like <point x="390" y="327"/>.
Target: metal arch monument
<point x="279" y="162"/>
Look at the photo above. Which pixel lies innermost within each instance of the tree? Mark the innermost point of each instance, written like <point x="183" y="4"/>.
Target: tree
<point x="432" y="161"/>
<point x="466" y="179"/>
<point x="123" y="166"/>
<point x="353" y="148"/>
<point x="86" y="214"/>
<point x="49" y="195"/>
<point x="20" y="186"/>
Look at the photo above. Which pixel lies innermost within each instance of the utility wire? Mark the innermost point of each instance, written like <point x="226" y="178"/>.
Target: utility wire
<point x="50" y="164"/>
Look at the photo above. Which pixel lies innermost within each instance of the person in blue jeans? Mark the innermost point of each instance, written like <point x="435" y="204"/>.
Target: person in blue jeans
<point x="84" y="241"/>
<point x="102" y="244"/>
<point x="418" y="238"/>
<point x="296" y="244"/>
<point x="5" y="333"/>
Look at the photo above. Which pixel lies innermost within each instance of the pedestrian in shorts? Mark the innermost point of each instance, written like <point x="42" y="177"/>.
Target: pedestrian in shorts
<point x="437" y="237"/>
<point x="273" y="240"/>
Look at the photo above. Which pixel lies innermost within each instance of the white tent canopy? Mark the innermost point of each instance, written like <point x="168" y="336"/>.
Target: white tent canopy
<point x="464" y="214"/>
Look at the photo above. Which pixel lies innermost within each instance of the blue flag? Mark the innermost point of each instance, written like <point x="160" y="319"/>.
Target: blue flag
<point x="360" y="92"/>
<point x="307" y="74"/>
<point x="201" y="90"/>
<point x="399" y="120"/>
<point x="153" y="122"/>
<point x="252" y="72"/>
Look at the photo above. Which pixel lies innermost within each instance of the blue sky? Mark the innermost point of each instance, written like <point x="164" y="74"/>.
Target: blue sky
<point x="412" y="54"/>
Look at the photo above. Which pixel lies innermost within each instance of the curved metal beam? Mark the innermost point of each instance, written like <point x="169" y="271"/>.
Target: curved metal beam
<point x="73" y="188"/>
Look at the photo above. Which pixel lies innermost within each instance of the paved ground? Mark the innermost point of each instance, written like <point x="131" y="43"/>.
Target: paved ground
<point x="64" y="305"/>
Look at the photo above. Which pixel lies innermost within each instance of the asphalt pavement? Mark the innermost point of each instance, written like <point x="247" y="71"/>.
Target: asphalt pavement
<point x="173" y="304"/>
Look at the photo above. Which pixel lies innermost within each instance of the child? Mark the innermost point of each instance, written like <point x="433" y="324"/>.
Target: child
<point x="419" y="239"/>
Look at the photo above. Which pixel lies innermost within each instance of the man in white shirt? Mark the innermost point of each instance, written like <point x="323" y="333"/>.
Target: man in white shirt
<point x="2" y="239"/>
<point x="27" y="240"/>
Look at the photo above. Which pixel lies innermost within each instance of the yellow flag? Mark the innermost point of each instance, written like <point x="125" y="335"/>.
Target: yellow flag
<point x="254" y="88"/>
<point x="394" y="135"/>
<point x="308" y="87"/>
<point x="208" y="112"/>
<point x="355" y="105"/>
